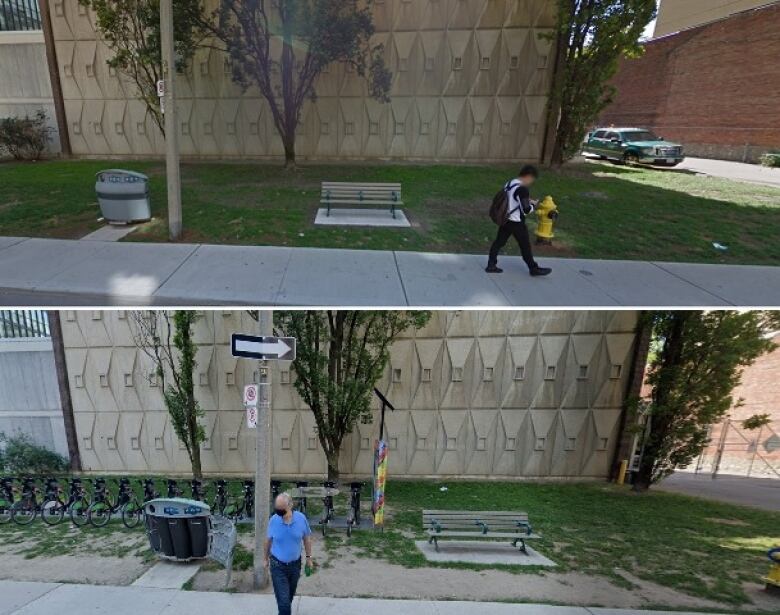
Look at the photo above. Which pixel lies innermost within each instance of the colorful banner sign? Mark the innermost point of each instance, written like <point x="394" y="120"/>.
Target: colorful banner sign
<point x="380" y="478"/>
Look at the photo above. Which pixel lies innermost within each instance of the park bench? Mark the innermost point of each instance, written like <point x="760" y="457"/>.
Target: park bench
<point x="484" y="525"/>
<point x="362" y="194"/>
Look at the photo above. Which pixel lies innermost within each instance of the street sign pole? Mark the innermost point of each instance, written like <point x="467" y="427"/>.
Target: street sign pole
<point x="168" y="101"/>
<point x="263" y="467"/>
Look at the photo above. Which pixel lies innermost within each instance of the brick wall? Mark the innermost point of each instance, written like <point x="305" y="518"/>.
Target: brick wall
<point x="714" y="88"/>
<point x="757" y="451"/>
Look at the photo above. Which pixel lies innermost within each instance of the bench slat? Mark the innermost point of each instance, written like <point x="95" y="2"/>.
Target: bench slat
<point x="457" y="534"/>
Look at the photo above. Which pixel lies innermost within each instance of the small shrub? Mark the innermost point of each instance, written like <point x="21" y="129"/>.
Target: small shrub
<point x="771" y="159"/>
<point x="25" y="138"/>
<point x="19" y="455"/>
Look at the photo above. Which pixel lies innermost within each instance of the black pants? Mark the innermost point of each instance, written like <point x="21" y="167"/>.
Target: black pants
<point x="520" y="233"/>
<point x="285" y="580"/>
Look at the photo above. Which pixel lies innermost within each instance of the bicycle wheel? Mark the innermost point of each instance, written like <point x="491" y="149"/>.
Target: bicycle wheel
<point x="98" y="514"/>
<point x="24" y="512"/>
<point x="5" y="511"/>
<point x="131" y="514"/>
<point x="78" y="512"/>
<point x="52" y="512"/>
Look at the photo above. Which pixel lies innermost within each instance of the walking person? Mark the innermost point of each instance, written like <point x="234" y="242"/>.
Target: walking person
<point x="288" y="530"/>
<point x="509" y="211"/>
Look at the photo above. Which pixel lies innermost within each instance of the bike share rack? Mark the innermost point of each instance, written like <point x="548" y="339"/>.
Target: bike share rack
<point x="91" y="500"/>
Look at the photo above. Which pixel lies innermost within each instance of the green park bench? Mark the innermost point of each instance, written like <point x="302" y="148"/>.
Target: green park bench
<point x="482" y="525"/>
<point x="361" y="194"/>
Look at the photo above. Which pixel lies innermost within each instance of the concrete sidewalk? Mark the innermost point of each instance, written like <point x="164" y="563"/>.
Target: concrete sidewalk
<point x="103" y="273"/>
<point x="737" y="171"/>
<point x="27" y="598"/>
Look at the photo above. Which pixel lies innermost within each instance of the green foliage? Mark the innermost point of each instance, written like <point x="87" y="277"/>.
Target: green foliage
<point x="692" y="376"/>
<point x="593" y="35"/>
<point x="313" y="34"/>
<point x="757" y="421"/>
<point x="168" y="342"/>
<point x="771" y="159"/>
<point x="341" y="356"/>
<point x="20" y="456"/>
<point x="25" y="138"/>
<point x="131" y="28"/>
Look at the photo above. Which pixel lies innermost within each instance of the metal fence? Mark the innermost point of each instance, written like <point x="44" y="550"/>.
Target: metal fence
<point x="741" y="452"/>
<point x="24" y="323"/>
<point x="17" y="15"/>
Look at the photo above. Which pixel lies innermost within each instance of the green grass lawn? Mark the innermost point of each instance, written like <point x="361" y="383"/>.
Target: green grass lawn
<point x="607" y="211"/>
<point x="695" y="546"/>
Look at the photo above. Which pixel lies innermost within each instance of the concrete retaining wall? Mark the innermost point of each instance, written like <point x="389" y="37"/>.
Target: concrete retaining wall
<point x="478" y="394"/>
<point x="29" y="395"/>
<point x="25" y="86"/>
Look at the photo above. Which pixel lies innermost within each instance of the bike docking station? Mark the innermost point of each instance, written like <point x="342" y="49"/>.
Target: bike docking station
<point x="182" y="530"/>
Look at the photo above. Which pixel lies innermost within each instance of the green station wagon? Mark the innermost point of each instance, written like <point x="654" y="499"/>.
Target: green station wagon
<point x="632" y="146"/>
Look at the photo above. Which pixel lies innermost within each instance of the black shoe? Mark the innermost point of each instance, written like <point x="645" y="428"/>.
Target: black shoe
<point x="493" y="269"/>
<point x="540" y="271"/>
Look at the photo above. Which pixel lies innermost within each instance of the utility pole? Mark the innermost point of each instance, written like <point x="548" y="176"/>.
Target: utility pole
<point x="263" y="468"/>
<point x="169" y="111"/>
<point x="60" y="365"/>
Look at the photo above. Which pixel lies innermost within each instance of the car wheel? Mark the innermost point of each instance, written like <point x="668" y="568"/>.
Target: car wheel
<point x="630" y="159"/>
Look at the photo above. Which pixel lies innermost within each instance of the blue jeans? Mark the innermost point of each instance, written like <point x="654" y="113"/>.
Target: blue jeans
<point x="285" y="579"/>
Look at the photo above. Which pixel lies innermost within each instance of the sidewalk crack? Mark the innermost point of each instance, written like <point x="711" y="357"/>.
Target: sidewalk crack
<point x="400" y="277"/>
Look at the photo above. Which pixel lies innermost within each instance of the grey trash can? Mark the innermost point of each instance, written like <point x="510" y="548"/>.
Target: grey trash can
<point x="178" y="528"/>
<point x="123" y="196"/>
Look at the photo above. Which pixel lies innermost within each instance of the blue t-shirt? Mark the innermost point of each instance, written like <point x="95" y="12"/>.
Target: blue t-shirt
<point x="287" y="538"/>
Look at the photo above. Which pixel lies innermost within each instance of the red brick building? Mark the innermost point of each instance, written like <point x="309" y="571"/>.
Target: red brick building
<point x="737" y="450"/>
<point x="715" y="88"/>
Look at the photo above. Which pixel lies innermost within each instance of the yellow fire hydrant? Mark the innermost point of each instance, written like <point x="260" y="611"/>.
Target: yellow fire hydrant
<point x="547" y="214"/>
<point x="773" y="578"/>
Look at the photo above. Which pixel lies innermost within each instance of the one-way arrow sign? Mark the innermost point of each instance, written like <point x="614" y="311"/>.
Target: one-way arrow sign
<point x="263" y="348"/>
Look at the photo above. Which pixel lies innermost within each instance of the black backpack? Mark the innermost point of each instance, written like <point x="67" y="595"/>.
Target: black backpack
<point x="499" y="208"/>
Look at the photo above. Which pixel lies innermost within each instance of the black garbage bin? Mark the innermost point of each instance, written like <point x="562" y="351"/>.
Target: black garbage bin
<point x="178" y="528"/>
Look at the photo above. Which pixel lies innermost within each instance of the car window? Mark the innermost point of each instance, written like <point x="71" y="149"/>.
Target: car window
<point x="639" y="135"/>
<point x="612" y="135"/>
<point x="599" y="134"/>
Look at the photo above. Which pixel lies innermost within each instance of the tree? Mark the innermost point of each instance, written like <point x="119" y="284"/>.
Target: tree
<point x="131" y="29"/>
<point x="282" y="47"/>
<point x="698" y="361"/>
<point x="341" y="356"/>
<point x="168" y="341"/>
<point x="592" y="36"/>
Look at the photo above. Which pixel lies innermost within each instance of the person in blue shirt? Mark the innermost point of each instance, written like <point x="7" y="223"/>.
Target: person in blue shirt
<point x="288" y="530"/>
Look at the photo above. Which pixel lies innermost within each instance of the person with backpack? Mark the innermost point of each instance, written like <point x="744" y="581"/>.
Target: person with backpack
<point x="509" y="210"/>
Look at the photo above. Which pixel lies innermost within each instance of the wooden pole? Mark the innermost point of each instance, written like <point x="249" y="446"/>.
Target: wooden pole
<point x="61" y="367"/>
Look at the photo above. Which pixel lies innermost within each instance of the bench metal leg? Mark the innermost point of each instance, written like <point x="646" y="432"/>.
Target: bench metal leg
<point x="436" y="544"/>
<point x="522" y="545"/>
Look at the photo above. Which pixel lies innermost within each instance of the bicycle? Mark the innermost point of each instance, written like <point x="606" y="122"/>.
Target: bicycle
<point x="353" y="514"/>
<point x="197" y="490"/>
<point x="173" y="488"/>
<point x="243" y="506"/>
<point x="25" y="509"/>
<point x="133" y="510"/>
<point x="100" y="511"/>
<point x="79" y="502"/>
<point x="52" y="508"/>
<point x="220" y="497"/>
<point x="6" y="498"/>
<point x="328" y="511"/>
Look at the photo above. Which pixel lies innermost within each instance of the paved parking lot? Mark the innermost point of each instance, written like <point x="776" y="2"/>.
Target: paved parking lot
<point x="758" y="492"/>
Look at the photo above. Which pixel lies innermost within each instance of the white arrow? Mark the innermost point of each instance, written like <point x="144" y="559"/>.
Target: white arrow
<point x="277" y="348"/>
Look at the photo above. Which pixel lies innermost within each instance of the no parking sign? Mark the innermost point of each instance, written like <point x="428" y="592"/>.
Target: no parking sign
<point x="250" y="402"/>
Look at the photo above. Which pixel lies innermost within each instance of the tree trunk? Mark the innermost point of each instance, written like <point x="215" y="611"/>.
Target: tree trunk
<point x="197" y="472"/>
<point x="333" y="466"/>
<point x="289" y="153"/>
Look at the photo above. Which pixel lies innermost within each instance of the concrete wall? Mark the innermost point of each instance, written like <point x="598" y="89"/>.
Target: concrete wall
<point x="676" y="15"/>
<point x="471" y="80"/>
<point x="478" y="394"/>
<point x="25" y="86"/>
<point x="713" y="88"/>
<point x="29" y="395"/>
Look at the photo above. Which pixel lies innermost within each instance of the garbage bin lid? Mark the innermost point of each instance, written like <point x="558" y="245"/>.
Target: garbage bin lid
<point x="176" y="507"/>
<point x="121" y="172"/>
